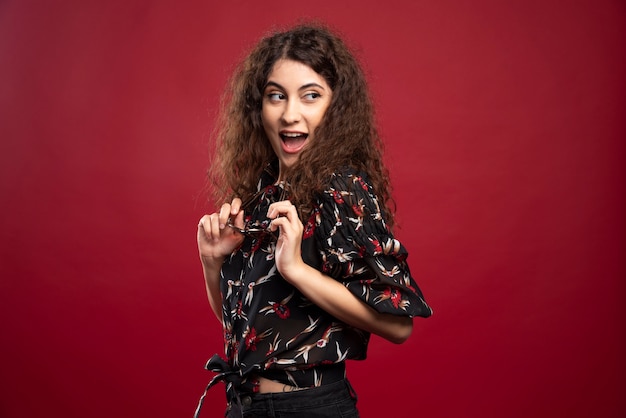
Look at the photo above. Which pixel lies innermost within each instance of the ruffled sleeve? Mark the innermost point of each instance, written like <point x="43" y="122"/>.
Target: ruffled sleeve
<point x="358" y="249"/>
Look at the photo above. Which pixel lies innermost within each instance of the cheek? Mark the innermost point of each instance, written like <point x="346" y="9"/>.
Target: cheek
<point x="266" y="118"/>
<point x="320" y="116"/>
<point x="325" y="109"/>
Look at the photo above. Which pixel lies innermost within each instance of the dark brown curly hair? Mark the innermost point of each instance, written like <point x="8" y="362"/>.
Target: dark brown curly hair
<point x="346" y="137"/>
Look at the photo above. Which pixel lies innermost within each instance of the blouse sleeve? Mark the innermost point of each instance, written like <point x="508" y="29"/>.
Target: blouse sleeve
<point x="358" y="249"/>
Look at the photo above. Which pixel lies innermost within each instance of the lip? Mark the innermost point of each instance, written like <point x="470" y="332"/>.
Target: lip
<point x="297" y="142"/>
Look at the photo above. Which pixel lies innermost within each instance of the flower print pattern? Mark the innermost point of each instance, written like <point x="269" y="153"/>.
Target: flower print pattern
<point x="279" y="308"/>
<point x="358" y="249"/>
<point x="270" y="327"/>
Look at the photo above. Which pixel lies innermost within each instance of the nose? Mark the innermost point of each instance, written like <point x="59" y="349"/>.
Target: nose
<point x="291" y="112"/>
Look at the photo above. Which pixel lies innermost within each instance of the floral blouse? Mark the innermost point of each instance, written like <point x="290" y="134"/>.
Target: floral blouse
<point x="270" y="328"/>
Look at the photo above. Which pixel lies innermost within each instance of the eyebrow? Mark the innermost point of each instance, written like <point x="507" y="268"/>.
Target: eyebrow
<point x="304" y="87"/>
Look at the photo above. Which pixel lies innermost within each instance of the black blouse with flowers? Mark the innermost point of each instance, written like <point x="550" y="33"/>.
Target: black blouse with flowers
<point x="270" y="328"/>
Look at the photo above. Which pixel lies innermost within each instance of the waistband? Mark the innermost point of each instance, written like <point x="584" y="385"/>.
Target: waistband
<point x="317" y="398"/>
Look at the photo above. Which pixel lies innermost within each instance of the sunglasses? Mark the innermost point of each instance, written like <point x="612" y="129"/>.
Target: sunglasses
<point x="256" y="232"/>
<point x="259" y="229"/>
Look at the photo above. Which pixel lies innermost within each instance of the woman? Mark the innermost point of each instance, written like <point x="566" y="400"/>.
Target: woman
<point x="300" y="264"/>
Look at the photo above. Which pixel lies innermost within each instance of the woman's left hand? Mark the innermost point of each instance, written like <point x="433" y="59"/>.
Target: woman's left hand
<point x="288" y="254"/>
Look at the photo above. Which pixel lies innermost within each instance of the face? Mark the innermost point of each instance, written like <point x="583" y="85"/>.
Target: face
<point x="294" y="102"/>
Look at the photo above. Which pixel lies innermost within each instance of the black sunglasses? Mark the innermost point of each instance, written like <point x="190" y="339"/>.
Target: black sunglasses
<point x="259" y="230"/>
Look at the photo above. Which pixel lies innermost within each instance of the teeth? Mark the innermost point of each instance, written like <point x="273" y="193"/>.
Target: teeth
<point x="292" y="135"/>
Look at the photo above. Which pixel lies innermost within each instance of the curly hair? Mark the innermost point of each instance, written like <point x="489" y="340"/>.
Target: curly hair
<point x="346" y="137"/>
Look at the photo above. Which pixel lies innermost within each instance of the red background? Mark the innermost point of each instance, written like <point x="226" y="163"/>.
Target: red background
<point x="505" y="132"/>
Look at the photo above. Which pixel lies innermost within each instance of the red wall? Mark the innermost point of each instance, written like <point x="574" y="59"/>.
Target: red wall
<point x="505" y="132"/>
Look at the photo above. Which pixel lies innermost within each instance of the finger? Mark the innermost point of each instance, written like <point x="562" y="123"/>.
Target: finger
<point x="282" y="208"/>
<point x="201" y="231"/>
<point x="215" y="226"/>
<point x="224" y="214"/>
<point x="287" y="226"/>
<point x="235" y="206"/>
<point x="286" y="211"/>
<point x="204" y="228"/>
<point x="280" y="223"/>
<point x="239" y="220"/>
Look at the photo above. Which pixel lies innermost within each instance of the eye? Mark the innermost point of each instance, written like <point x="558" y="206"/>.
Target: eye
<point x="312" y="96"/>
<point x="275" y="96"/>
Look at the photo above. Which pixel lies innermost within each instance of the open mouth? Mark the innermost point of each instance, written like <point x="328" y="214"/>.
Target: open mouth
<point x="293" y="141"/>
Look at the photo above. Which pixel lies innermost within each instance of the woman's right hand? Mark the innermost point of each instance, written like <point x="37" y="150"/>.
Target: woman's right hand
<point x="216" y="239"/>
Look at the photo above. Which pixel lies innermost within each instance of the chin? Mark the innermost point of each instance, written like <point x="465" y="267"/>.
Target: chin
<point x="290" y="161"/>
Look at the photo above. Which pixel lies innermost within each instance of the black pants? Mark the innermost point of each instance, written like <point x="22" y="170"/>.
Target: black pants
<point x="335" y="400"/>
